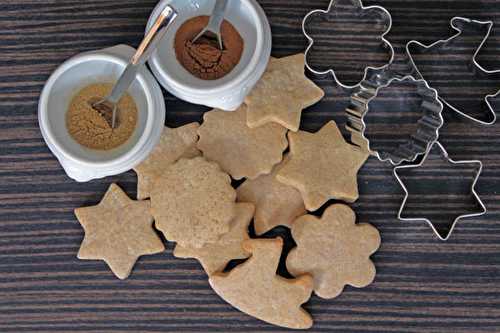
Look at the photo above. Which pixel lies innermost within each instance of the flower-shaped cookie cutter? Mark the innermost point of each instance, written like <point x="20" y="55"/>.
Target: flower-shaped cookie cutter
<point x="445" y="43"/>
<point x="444" y="155"/>
<point x="419" y="142"/>
<point x="381" y="15"/>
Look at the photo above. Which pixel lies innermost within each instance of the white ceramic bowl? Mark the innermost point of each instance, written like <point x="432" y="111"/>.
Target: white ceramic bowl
<point x="228" y="92"/>
<point x="83" y="164"/>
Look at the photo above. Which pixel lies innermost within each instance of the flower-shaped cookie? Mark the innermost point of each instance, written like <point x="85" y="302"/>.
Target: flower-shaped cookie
<point x="333" y="49"/>
<point x="175" y="143"/>
<point x="241" y="151"/>
<point x="334" y="250"/>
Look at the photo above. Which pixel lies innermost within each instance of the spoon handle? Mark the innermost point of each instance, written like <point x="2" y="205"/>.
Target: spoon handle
<point x="217" y="16"/>
<point x="143" y="53"/>
<point x="154" y="35"/>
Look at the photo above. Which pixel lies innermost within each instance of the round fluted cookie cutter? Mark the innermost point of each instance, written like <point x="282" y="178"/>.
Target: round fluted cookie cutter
<point x="419" y="142"/>
<point x="386" y="20"/>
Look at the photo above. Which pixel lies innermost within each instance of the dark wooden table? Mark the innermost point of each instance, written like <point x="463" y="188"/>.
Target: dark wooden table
<point x="423" y="285"/>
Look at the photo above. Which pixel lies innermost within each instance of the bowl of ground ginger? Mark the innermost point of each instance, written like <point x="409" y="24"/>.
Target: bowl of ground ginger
<point x="202" y="73"/>
<point x="82" y="139"/>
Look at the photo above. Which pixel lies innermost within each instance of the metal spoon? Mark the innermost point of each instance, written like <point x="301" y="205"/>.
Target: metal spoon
<point x="215" y="22"/>
<point x="108" y="106"/>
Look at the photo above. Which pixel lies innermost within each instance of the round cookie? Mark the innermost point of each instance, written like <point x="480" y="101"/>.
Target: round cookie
<point x="193" y="202"/>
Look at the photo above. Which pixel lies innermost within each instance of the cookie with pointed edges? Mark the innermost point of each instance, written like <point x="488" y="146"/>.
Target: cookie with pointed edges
<point x="254" y="288"/>
<point x="175" y="143"/>
<point x="334" y="250"/>
<point x="282" y="93"/>
<point x="215" y="257"/>
<point x="241" y="151"/>
<point x="323" y="166"/>
<point x="118" y="230"/>
<point x="276" y="203"/>
<point x="193" y="202"/>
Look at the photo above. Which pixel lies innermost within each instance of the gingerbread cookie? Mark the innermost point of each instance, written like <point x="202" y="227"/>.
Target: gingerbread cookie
<point x="215" y="257"/>
<point x="323" y="166"/>
<point x="276" y="203"/>
<point x="175" y="143"/>
<point x="193" y="202"/>
<point x="254" y="288"/>
<point x="334" y="250"/>
<point x="118" y="230"/>
<point x="241" y="151"/>
<point x="282" y="93"/>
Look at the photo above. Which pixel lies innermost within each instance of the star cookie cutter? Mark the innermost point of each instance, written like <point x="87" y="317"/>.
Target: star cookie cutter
<point x="420" y="141"/>
<point x="382" y="16"/>
<point x="445" y="157"/>
<point x="443" y="43"/>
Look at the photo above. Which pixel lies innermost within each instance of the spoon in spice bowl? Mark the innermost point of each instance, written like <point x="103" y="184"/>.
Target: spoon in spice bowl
<point x="107" y="107"/>
<point x="215" y="22"/>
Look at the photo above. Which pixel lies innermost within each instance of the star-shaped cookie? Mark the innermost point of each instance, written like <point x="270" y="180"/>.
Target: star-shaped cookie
<point x="175" y="143"/>
<point x="323" y="166"/>
<point x="254" y="288"/>
<point x="240" y="150"/>
<point x="334" y="250"/>
<point x="118" y="230"/>
<point x="193" y="202"/>
<point x="282" y="93"/>
<point x="215" y="257"/>
<point x="276" y="203"/>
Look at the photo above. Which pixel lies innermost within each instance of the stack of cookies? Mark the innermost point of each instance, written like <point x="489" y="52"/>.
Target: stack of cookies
<point x="185" y="192"/>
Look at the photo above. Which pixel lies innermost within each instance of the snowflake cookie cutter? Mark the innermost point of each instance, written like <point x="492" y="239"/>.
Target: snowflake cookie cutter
<point x="385" y="19"/>
<point x="444" y="155"/>
<point x="420" y="142"/>
<point x="443" y="43"/>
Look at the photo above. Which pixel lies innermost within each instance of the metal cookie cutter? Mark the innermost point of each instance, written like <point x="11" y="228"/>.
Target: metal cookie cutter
<point x="446" y="158"/>
<point x="380" y="16"/>
<point x="445" y="44"/>
<point x="427" y="131"/>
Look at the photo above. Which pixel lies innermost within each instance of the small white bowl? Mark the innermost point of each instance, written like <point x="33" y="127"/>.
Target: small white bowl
<point x="228" y="92"/>
<point x="83" y="164"/>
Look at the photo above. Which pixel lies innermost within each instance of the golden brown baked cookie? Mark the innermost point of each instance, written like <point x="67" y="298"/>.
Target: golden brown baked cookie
<point x="254" y="288"/>
<point x="215" y="257"/>
<point x="241" y="151"/>
<point x="175" y="143"/>
<point x="334" y="250"/>
<point x="282" y="93"/>
<point x="323" y="166"/>
<point x="118" y="230"/>
<point x="276" y="203"/>
<point x="193" y="202"/>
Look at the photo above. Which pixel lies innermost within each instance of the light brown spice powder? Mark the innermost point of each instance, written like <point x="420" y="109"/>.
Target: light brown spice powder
<point x="90" y="129"/>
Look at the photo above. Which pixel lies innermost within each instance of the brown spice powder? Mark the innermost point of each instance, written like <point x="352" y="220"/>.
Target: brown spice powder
<point x="90" y="129"/>
<point x="204" y="59"/>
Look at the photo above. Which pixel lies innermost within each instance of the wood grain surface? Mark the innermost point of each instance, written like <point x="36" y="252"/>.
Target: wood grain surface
<point x="423" y="284"/>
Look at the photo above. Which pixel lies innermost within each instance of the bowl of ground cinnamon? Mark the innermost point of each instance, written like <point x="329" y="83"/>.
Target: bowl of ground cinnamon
<point x="79" y="136"/>
<point x="202" y="73"/>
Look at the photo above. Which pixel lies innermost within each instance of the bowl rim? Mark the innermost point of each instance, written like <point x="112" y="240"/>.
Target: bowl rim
<point x="51" y="138"/>
<point x="263" y="29"/>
